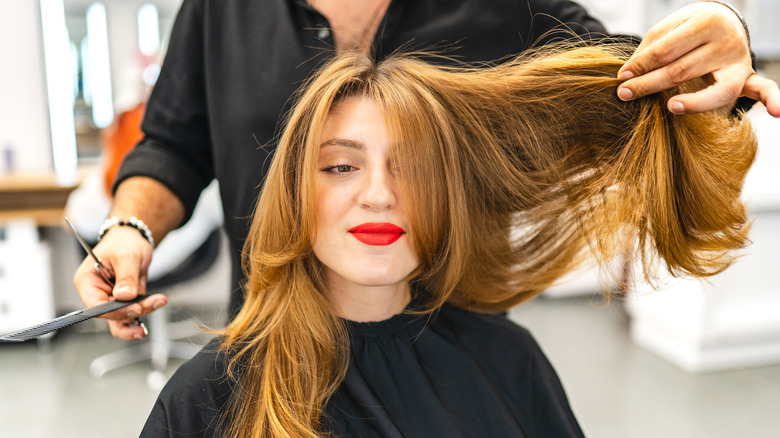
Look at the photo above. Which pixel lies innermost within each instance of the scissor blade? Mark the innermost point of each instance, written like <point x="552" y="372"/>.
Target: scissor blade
<point x="82" y="242"/>
<point x="101" y="270"/>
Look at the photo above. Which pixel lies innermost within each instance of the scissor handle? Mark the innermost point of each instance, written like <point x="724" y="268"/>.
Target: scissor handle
<point x="101" y="271"/>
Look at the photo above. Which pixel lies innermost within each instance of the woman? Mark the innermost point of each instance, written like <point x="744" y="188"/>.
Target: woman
<point x="407" y="203"/>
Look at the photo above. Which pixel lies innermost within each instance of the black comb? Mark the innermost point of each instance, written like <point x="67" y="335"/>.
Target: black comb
<point x="67" y="320"/>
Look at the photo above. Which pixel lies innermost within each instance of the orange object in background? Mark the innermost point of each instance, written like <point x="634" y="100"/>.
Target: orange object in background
<point x="119" y="139"/>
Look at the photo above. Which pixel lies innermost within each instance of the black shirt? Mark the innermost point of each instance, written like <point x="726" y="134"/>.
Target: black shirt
<point x="232" y="66"/>
<point x="458" y="374"/>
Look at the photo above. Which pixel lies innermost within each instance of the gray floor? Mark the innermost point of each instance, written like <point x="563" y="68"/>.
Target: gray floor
<point x="615" y="388"/>
<point x="620" y="390"/>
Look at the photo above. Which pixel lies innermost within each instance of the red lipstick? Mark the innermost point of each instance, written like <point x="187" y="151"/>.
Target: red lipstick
<point x="372" y="233"/>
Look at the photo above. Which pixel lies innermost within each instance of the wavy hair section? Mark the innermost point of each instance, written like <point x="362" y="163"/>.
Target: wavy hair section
<point x="512" y="173"/>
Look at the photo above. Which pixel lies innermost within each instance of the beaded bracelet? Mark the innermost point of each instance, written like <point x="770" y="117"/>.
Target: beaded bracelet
<point x="133" y="222"/>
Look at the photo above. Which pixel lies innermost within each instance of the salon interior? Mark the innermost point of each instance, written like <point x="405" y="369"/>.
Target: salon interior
<point x="694" y="359"/>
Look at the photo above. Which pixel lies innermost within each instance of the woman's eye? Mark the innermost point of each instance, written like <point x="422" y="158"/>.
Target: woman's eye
<point x="339" y="168"/>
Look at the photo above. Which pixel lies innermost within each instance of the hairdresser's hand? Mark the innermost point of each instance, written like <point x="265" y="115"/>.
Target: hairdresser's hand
<point x="703" y="39"/>
<point x="127" y="254"/>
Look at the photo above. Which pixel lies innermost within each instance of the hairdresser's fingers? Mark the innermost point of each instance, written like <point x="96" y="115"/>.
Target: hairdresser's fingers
<point x="131" y="266"/>
<point x="137" y="310"/>
<point x="92" y="289"/>
<point x="128" y="255"/>
<point x="659" y="50"/>
<point x="711" y="30"/>
<point x="695" y="64"/>
<point x="127" y="329"/>
<point x="723" y="91"/>
<point x="765" y="91"/>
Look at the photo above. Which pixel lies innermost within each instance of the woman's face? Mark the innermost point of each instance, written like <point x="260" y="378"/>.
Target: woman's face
<point x="363" y="233"/>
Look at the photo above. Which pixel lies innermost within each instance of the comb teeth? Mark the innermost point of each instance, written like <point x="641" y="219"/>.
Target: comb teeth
<point x="67" y="320"/>
<point x="44" y="328"/>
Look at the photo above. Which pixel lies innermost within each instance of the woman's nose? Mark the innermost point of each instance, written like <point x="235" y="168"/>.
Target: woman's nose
<point x="379" y="190"/>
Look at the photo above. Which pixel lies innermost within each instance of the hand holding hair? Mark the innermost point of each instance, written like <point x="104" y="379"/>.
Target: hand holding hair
<point x="705" y="39"/>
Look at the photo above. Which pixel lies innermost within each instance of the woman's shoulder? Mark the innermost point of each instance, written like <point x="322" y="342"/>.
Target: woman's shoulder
<point x="492" y="336"/>
<point x="191" y="400"/>
<point x="205" y="370"/>
<point x="511" y="359"/>
<point x="497" y="325"/>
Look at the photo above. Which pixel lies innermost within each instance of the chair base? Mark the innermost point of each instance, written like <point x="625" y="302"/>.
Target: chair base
<point x="158" y="349"/>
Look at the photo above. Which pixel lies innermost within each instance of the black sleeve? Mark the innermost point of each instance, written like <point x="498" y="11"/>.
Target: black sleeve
<point x="176" y="148"/>
<point x="555" y="20"/>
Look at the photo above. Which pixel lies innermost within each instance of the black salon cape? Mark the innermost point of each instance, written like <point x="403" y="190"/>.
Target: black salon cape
<point x="458" y="374"/>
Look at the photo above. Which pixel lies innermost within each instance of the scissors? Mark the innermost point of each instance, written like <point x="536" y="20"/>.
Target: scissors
<point x="79" y="315"/>
<point x="99" y="268"/>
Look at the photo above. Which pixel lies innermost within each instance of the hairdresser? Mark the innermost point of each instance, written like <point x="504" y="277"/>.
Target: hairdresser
<point x="231" y="68"/>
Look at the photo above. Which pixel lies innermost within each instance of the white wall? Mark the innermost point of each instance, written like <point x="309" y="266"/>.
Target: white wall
<point x="24" y="115"/>
<point x="126" y="69"/>
<point x="619" y="16"/>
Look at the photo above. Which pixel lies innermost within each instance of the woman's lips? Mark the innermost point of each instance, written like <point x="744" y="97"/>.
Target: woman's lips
<point x="377" y="233"/>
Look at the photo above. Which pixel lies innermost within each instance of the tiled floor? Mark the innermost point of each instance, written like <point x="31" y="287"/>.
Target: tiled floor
<point x="616" y="389"/>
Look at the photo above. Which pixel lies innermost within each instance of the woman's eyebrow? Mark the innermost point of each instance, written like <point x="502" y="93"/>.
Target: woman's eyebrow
<point x="343" y="142"/>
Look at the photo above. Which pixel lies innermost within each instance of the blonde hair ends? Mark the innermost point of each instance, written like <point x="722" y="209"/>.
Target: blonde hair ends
<point x="511" y="173"/>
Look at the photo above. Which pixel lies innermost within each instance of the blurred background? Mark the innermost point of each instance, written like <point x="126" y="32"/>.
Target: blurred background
<point x="693" y="359"/>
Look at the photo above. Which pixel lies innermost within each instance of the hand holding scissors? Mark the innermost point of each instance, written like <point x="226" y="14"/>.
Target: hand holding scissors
<point x="118" y="274"/>
<point x="101" y="270"/>
<point x="108" y="306"/>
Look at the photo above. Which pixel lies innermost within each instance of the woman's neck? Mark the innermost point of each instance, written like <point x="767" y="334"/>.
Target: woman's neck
<point x="368" y="303"/>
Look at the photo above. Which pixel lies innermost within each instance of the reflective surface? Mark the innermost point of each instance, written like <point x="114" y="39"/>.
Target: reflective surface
<point x="126" y="73"/>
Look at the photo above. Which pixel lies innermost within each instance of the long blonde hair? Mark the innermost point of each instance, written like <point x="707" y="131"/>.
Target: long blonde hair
<point x="510" y="173"/>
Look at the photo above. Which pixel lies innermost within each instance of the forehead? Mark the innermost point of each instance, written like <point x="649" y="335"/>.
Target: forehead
<point x="355" y="118"/>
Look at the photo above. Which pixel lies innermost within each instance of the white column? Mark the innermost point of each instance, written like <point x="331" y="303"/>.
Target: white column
<point x="24" y="117"/>
<point x="126" y="69"/>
